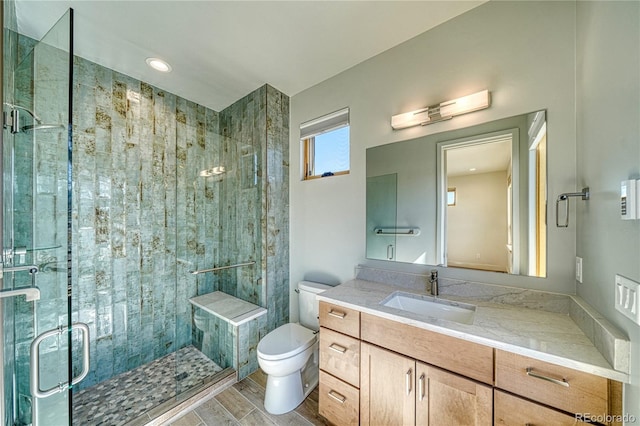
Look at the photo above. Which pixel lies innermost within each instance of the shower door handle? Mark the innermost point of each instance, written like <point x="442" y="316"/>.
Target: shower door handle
<point x="35" y="361"/>
<point x="31" y="293"/>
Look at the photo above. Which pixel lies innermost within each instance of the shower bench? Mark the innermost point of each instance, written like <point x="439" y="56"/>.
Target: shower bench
<point x="230" y="329"/>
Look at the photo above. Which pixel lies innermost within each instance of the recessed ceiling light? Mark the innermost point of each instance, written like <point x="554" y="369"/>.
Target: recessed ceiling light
<point x="473" y="169"/>
<point x="158" y="64"/>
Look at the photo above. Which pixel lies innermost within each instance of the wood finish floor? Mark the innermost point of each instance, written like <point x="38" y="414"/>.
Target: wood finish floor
<point x="242" y="404"/>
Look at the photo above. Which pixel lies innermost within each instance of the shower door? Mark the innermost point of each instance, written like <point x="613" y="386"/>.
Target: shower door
<point x="37" y="331"/>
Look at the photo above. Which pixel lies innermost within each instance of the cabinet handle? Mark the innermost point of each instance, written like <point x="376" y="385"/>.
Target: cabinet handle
<point x="408" y="377"/>
<point x="421" y="384"/>
<point x="337" y="314"/>
<point x="562" y="382"/>
<point x="338" y="397"/>
<point x="336" y="347"/>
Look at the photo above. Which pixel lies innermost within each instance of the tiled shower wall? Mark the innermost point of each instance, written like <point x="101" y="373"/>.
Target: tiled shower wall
<point x="145" y="214"/>
<point x="259" y="123"/>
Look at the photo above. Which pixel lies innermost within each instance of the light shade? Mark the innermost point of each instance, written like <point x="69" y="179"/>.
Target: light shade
<point x="442" y="111"/>
<point x="158" y="64"/>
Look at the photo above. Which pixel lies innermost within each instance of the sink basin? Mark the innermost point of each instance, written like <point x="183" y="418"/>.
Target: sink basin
<point x="431" y="307"/>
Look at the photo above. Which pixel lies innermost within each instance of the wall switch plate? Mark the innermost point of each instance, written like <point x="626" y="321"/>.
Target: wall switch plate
<point x="627" y="294"/>
<point x="579" y="269"/>
<point x="637" y="198"/>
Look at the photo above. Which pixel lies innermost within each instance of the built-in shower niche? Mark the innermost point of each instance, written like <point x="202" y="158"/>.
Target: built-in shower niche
<point x="226" y="330"/>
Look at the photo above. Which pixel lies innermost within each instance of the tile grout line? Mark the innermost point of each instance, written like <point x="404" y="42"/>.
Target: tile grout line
<point x="225" y="408"/>
<point x="267" y="414"/>
<point x="247" y="415"/>
<point x="202" y="422"/>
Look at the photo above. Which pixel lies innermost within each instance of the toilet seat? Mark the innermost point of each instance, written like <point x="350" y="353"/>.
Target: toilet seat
<point x="285" y="342"/>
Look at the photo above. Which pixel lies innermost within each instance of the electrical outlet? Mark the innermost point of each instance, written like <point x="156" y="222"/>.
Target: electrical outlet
<point x="627" y="294"/>
<point x="579" y="269"/>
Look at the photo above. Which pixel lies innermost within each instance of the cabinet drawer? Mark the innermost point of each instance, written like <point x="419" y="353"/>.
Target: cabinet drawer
<point x="344" y="320"/>
<point x="338" y="401"/>
<point x="560" y="387"/>
<point x="466" y="358"/>
<point x="511" y="410"/>
<point x="340" y="356"/>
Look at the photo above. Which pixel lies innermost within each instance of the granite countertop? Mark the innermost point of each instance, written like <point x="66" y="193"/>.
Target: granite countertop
<point x="547" y="336"/>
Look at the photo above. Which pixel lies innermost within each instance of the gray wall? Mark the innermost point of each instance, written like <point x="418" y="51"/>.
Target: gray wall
<point x="608" y="139"/>
<point x="523" y="52"/>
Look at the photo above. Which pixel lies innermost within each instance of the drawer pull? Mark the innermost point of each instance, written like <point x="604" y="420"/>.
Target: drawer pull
<point x="337" y="314"/>
<point x="408" y="377"/>
<point x="338" y="397"/>
<point x="562" y="382"/>
<point x="336" y="347"/>
<point x="421" y="384"/>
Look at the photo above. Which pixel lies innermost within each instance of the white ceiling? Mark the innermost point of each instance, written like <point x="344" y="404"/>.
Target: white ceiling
<point x="484" y="158"/>
<point x="222" y="50"/>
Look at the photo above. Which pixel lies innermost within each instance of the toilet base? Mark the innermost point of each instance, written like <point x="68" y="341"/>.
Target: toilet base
<point x="284" y="394"/>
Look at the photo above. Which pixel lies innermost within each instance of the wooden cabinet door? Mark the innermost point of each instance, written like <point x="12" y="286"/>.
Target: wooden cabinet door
<point x="444" y="398"/>
<point x="387" y="387"/>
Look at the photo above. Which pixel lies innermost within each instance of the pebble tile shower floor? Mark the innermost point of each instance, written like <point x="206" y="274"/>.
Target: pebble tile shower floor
<point x="125" y="397"/>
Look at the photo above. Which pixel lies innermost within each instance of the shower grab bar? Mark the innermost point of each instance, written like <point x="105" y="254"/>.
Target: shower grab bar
<point x="34" y="381"/>
<point x="565" y="197"/>
<point x="33" y="269"/>
<point x="412" y="232"/>
<point x="219" y="268"/>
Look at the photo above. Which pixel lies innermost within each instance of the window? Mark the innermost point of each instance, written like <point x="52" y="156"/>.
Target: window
<point x="451" y="197"/>
<point x="325" y="145"/>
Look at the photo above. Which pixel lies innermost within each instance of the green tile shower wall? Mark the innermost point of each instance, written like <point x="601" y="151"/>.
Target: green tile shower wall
<point x="261" y="120"/>
<point x="275" y="208"/>
<point x="143" y="215"/>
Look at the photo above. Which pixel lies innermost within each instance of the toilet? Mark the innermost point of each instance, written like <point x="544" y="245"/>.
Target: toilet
<point x="289" y="354"/>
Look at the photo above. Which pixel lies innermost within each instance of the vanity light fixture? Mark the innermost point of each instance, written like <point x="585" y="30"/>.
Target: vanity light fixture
<point x="442" y="111"/>
<point x="158" y="64"/>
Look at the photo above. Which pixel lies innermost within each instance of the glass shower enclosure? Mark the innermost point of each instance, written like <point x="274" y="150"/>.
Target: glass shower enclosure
<point x="101" y="242"/>
<point x="38" y="335"/>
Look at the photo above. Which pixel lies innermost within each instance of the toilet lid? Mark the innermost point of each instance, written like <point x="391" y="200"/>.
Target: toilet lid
<point x="285" y="341"/>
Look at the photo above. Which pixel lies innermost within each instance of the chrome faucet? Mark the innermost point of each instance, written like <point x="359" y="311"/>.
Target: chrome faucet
<point x="434" y="282"/>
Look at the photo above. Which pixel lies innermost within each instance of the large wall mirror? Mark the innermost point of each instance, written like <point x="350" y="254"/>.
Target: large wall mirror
<point x="471" y="198"/>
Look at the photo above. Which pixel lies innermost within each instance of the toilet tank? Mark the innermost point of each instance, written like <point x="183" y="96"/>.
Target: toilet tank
<point x="308" y="306"/>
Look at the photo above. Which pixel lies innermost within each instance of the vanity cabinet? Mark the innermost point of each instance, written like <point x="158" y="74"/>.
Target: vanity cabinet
<point x="418" y="393"/>
<point x="339" y="348"/>
<point x="380" y="371"/>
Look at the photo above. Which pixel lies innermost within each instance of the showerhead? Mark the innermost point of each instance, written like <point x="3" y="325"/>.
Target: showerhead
<point x="42" y="126"/>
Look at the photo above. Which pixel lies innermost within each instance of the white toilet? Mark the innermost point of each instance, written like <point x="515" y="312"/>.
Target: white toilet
<point x="289" y="354"/>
